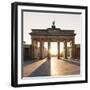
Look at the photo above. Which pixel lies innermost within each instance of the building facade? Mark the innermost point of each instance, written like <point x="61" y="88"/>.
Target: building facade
<point x="49" y="35"/>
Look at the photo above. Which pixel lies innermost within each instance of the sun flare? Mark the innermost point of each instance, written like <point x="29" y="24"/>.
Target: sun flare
<point x="54" y="48"/>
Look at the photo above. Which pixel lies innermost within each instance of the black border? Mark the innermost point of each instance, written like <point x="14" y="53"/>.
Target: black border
<point x="14" y="43"/>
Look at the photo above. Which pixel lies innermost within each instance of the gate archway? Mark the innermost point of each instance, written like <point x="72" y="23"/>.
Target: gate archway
<point x="49" y="35"/>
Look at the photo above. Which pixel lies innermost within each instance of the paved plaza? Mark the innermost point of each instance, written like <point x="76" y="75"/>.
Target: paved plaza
<point x="52" y="67"/>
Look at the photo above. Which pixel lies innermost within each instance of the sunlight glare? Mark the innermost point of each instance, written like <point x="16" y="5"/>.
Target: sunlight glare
<point x="54" y="47"/>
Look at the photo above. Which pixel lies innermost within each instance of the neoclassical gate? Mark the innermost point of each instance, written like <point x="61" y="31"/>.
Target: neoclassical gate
<point x="52" y="34"/>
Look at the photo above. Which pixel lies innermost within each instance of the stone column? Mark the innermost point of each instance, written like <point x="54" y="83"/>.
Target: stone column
<point x="73" y="49"/>
<point x="65" y="47"/>
<point x="58" y="49"/>
<point x="70" y="49"/>
<point x="41" y="49"/>
<point x="33" y="48"/>
<point x="49" y="50"/>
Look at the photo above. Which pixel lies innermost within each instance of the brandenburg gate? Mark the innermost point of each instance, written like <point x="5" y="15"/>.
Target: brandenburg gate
<point x="52" y="34"/>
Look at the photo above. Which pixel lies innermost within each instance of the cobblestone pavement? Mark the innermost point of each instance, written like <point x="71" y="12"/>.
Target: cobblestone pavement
<point x="53" y="67"/>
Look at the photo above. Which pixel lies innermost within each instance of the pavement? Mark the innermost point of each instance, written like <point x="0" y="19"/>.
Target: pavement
<point x="52" y="67"/>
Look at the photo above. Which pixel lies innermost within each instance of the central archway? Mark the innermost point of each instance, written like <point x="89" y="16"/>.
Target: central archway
<point x="53" y="49"/>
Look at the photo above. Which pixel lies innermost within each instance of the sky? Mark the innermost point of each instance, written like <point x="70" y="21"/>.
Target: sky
<point x="40" y="20"/>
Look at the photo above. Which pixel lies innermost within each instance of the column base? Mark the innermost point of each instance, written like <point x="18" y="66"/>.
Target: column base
<point x="65" y="58"/>
<point x="49" y="57"/>
<point x="58" y="57"/>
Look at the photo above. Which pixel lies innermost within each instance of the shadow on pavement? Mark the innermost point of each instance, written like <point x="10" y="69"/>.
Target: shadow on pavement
<point x="43" y="70"/>
<point x="27" y="62"/>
